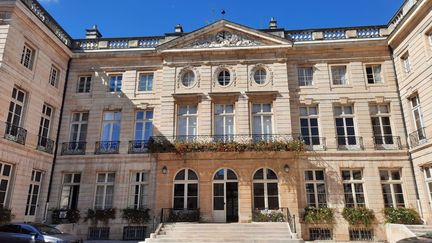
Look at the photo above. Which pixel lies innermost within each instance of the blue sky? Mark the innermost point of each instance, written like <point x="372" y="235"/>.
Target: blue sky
<point x="122" y="18"/>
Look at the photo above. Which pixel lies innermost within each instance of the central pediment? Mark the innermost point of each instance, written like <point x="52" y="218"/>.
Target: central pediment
<point x="224" y="34"/>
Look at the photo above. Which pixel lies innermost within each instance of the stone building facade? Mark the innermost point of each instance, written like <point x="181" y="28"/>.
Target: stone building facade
<point x="356" y="97"/>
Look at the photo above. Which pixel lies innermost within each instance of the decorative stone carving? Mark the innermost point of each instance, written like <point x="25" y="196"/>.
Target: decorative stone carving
<point x="269" y="75"/>
<point x="183" y="71"/>
<point x="224" y="39"/>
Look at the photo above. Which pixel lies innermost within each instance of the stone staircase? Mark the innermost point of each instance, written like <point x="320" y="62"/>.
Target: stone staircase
<point x="227" y="233"/>
<point x="420" y="230"/>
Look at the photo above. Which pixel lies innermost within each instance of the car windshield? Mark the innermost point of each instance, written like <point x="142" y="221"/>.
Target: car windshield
<point x="46" y="229"/>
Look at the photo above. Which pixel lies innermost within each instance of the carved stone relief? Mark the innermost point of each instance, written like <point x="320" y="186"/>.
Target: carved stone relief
<point x="224" y="39"/>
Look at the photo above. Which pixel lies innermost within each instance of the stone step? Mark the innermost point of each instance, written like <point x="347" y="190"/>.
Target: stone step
<point x="157" y="240"/>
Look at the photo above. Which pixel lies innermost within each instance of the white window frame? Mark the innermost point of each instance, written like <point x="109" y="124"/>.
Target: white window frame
<point x="380" y="115"/>
<point x="352" y="182"/>
<point x="148" y="80"/>
<point x="262" y="114"/>
<point x="344" y="116"/>
<point x="189" y="118"/>
<point x="111" y="123"/>
<point x="70" y="184"/>
<point x="225" y="116"/>
<point x="393" y="182"/>
<point x="315" y="184"/>
<point x="185" y="183"/>
<point x="305" y="79"/>
<point x="28" y="56"/>
<point x="416" y="107"/>
<point x="86" y="81"/>
<point x="140" y="180"/>
<point x="16" y="103"/>
<point x="308" y="116"/>
<point x="79" y="123"/>
<point x="35" y="182"/>
<point x="260" y="76"/>
<point x="336" y="75"/>
<point x="144" y="121"/>
<point x="105" y="184"/>
<point x="54" y="76"/>
<point x="4" y="177"/>
<point x="45" y="117"/>
<point x="117" y="80"/>
<point x="427" y="170"/>
<point x="265" y="181"/>
<point x="373" y="76"/>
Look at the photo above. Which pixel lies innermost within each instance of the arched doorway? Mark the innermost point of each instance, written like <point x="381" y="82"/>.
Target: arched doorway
<point x="225" y="196"/>
<point x="265" y="190"/>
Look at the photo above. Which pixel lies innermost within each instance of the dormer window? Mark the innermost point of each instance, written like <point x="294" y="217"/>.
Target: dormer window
<point x="224" y="77"/>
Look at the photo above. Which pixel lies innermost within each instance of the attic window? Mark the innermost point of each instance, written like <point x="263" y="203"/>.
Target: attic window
<point x="224" y="77"/>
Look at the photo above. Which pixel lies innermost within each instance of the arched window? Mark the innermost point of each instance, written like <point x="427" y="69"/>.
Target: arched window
<point x="265" y="189"/>
<point x="186" y="190"/>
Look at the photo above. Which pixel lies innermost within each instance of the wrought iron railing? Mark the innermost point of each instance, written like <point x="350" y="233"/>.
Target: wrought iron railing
<point x="139" y="146"/>
<point x="15" y="133"/>
<point x="73" y="148"/>
<point x="418" y="137"/>
<point x="170" y="215"/>
<point x="240" y="138"/>
<point x="45" y="144"/>
<point x="387" y="142"/>
<point x="313" y="142"/>
<point x="107" y="147"/>
<point x="349" y="143"/>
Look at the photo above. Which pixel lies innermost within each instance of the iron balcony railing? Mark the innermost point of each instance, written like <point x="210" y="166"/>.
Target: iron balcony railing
<point x="313" y="142"/>
<point x="171" y="215"/>
<point x="418" y="137"/>
<point x="107" y="147"/>
<point x="239" y="138"/>
<point x="15" y="133"/>
<point x="45" y="144"/>
<point x="387" y="142"/>
<point x="139" y="146"/>
<point x="73" y="148"/>
<point x="349" y="143"/>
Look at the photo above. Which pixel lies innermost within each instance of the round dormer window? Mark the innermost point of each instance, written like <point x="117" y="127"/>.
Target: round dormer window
<point x="224" y="77"/>
<point x="188" y="78"/>
<point x="260" y="76"/>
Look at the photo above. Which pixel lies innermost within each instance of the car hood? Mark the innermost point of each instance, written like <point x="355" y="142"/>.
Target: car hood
<point x="63" y="237"/>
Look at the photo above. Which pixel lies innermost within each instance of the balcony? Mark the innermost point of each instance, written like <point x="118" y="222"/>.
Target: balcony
<point x="74" y="148"/>
<point x="387" y="143"/>
<point x="107" y="147"/>
<point x="15" y="133"/>
<point x="314" y="143"/>
<point x="418" y="137"/>
<point x="139" y="146"/>
<point x="349" y="143"/>
<point x="45" y="145"/>
<point x="230" y="138"/>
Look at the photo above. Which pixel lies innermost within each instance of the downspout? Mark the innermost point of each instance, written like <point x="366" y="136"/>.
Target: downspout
<point x="57" y="140"/>
<point x="406" y="135"/>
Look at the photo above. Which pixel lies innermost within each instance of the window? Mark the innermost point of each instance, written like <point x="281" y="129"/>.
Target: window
<point x="33" y="193"/>
<point x="305" y="76"/>
<point x="78" y="132"/>
<point x="15" y="115"/>
<point x="315" y="188"/>
<point x="380" y="116"/>
<point x="187" y="121"/>
<point x="186" y="190"/>
<point x="115" y="83"/>
<point x="345" y="129"/>
<point x="139" y="190"/>
<point x="406" y="62"/>
<point x="5" y="178"/>
<point x="27" y="57"/>
<point x="418" y="118"/>
<point x="224" y="122"/>
<point x="45" y="126"/>
<point x="260" y="76"/>
<point x="111" y="126"/>
<point x="104" y="190"/>
<point x="143" y="125"/>
<point x="309" y="125"/>
<point x="361" y="234"/>
<point x="84" y="84"/>
<point x="188" y="78"/>
<point x="320" y="234"/>
<point x="98" y="233"/>
<point x="137" y="233"/>
<point x="339" y="75"/>
<point x="428" y="180"/>
<point x="429" y="36"/>
<point x="373" y="74"/>
<point x="265" y="189"/>
<point x="262" y="121"/>
<point x="70" y="191"/>
<point x="353" y="188"/>
<point x="391" y="183"/>
<point x="54" y="76"/>
<point x="224" y="77"/>
<point x="145" y="82"/>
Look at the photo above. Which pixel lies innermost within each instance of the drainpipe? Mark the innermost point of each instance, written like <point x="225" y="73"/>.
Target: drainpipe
<point x="57" y="141"/>
<point x="406" y="135"/>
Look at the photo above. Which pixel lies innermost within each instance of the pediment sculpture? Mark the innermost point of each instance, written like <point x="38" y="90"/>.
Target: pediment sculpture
<point x="224" y="39"/>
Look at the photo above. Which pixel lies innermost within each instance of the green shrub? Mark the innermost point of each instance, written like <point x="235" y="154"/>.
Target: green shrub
<point x="97" y="215"/>
<point x="314" y="215"/>
<point x="136" y="216"/>
<point x="72" y="216"/>
<point x="401" y="216"/>
<point x="268" y="216"/>
<point x="360" y="215"/>
<point x="5" y="215"/>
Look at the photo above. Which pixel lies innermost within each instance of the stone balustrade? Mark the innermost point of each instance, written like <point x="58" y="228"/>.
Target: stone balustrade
<point x="117" y="43"/>
<point x="338" y="34"/>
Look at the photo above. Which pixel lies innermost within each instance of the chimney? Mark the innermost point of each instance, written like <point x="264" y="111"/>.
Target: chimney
<point x="93" y="33"/>
<point x="178" y="29"/>
<point x="273" y="23"/>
